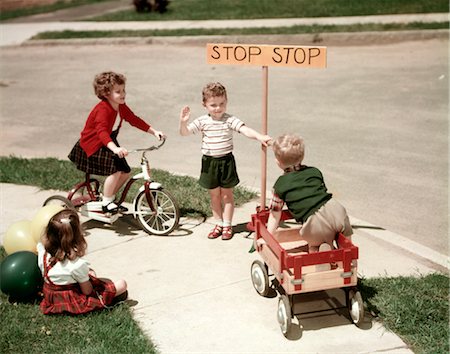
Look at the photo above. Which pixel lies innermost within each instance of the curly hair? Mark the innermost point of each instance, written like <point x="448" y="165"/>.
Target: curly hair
<point x="104" y="82"/>
<point x="64" y="237"/>
<point x="213" y="89"/>
<point x="289" y="149"/>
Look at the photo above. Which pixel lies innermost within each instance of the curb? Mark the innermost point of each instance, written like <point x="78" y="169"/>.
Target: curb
<point x="335" y="39"/>
<point x="402" y="242"/>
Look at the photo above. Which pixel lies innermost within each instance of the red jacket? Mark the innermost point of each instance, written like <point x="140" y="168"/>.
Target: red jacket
<point x="100" y="123"/>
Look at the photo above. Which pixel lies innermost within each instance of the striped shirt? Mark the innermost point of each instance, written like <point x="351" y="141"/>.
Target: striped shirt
<point x="217" y="135"/>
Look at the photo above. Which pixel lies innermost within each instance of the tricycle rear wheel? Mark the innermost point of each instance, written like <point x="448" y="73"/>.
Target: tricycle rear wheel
<point x="59" y="200"/>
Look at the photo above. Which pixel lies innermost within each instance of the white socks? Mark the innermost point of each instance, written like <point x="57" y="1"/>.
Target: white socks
<point x="223" y="223"/>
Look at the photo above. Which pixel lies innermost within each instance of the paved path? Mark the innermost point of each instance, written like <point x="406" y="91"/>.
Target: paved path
<point x="194" y="295"/>
<point x="358" y="121"/>
<point x="16" y="33"/>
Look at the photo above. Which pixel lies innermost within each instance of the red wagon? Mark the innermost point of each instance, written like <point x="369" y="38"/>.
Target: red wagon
<point x="297" y="271"/>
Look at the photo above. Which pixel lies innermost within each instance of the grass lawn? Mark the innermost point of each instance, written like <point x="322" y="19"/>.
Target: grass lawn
<point x="238" y="9"/>
<point x="51" y="173"/>
<point x="59" y="5"/>
<point x="251" y="9"/>
<point x="415" y="308"/>
<point x="69" y="34"/>
<point x="24" y="329"/>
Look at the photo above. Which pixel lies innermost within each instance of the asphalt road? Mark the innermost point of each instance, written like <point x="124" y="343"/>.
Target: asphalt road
<point x="375" y="121"/>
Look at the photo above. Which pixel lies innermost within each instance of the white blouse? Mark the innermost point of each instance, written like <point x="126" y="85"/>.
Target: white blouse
<point x="65" y="272"/>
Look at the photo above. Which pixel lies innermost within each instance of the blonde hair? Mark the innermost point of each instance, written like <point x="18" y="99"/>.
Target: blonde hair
<point x="104" y="82"/>
<point x="289" y="149"/>
<point x="64" y="237"/>
<point x="213" y="89"/>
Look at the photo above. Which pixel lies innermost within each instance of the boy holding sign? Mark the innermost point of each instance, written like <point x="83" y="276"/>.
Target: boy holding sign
<point x="218" y="171"/>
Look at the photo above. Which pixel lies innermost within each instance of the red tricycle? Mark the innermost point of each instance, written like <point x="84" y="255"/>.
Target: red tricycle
<point x="297" y="271"/>
<point x="154" y="207"/>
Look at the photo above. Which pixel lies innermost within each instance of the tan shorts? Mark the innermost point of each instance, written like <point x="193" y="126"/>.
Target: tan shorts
<point x="325" y="223"/>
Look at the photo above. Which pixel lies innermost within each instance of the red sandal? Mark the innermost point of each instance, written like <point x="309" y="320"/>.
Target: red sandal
<point x="227" y="233"/>
<point x="216" y="232"/>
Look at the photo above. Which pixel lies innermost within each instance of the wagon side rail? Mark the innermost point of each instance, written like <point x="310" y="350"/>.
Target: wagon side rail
<point x="277" y="253"/>
<point x="346" y="253"/>
<point x="259" y="220"/>
<point x="263" y="216"/>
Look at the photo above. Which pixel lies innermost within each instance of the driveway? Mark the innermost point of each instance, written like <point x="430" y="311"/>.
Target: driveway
<point x="375" y="121"/>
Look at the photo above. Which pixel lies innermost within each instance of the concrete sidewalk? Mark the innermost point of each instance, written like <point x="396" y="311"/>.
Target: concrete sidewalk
<point x="191" y="294"/>
<point x="17" y="33"/>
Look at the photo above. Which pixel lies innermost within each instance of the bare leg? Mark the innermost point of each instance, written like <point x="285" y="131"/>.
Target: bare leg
<point x="228" y="210"/>
<point x="123" y="178"/>
<point x="216" y="207"/>
<point x="216" y="203"/>
<point x="113" y="183"/>
<point x="228" y="203"/>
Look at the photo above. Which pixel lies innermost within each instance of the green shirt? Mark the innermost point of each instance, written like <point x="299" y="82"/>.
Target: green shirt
<point x="303" y="191"/>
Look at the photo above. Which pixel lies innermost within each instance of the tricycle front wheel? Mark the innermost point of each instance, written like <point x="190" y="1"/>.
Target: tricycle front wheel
<point x="166" y="216"/>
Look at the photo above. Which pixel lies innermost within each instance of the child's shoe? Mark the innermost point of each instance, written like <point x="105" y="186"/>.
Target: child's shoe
<point x="120" y="298"/>
<point x="111" y="208"/>
<point x="227" y="233"/>
<point x="122" y="209"/>
<point x="324" y="247"/>
<point x="326" y="266"/>
<point x="216" y="232"/>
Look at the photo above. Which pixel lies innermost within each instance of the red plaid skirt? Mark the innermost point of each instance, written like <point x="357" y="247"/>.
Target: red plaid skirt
<point x="69" y="298"/>
<point x="103" y="162"/>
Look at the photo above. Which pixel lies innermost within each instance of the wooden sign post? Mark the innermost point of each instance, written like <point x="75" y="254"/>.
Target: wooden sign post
<point x="265" y="56"/>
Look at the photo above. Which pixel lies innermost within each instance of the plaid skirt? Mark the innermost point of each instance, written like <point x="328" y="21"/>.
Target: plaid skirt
<point x="103" y="162"/>
<point x="70" y="300"/>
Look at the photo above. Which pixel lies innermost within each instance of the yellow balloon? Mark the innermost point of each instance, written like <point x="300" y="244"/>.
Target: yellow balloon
<point x="41" y="219"/>
<point x="18" y="237"/>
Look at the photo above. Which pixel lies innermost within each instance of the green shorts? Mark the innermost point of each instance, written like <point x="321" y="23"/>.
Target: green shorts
<point x="218" y="172"/>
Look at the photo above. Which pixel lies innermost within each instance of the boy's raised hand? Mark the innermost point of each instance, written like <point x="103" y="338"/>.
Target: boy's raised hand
<point x="185" y="114"/>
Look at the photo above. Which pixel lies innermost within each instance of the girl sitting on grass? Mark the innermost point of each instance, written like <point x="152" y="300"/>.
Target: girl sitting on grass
<point x="70" y="286"/>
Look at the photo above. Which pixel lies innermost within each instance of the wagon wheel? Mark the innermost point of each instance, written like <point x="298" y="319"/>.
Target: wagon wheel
<point x="284" y="314"/>
<point x="260" y="278"/>
<point x="355" y="306"/>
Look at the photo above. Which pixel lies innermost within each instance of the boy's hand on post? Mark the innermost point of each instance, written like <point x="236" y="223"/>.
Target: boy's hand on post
<point x="266" y="140"/>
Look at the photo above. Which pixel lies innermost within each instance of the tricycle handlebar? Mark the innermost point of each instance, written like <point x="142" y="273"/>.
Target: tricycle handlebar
<point x="151" y="148"/>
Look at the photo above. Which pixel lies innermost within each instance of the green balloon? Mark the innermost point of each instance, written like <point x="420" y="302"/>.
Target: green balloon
<point x="20" y="276"/>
